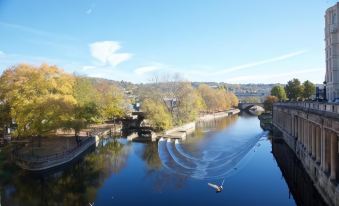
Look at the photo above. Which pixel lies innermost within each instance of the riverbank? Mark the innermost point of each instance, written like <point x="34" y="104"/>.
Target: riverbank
<point x="57" y="151"/>
<point x="181" y="132"/>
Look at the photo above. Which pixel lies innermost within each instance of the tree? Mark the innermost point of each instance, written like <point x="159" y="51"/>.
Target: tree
<point x="189" y="104"/>
<point x="217" y="99"/>
<point x="209" y="97"/>
<point x="251" y="100"/>
<point x="268" y="103"/>
<point x="279" y="92"/>
<point x="41" y="98"/>
<point x="5" y="116"/>
<point x="308" y="89"/>
<point x="157" y="113"/>
<point x="233" y="98"/>
<point x="294" y="89"/>
<point x="111" y="101"/>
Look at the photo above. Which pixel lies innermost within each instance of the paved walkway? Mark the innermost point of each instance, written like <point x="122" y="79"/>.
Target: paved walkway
<point x="49" y="146"/>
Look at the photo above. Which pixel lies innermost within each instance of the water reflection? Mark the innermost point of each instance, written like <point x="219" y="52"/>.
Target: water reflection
<point x="298" y="181"/>
<point x="75" y="186"/>
<point x="122" y="173"/>
<point x="214" y="159"/>
<point x="151" y="157"/>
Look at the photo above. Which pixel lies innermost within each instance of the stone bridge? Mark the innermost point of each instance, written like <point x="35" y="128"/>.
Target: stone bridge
<point x="311" y="130"/>
<point x="246" y="106"/>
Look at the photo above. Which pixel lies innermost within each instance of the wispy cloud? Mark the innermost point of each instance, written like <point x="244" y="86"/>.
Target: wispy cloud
<point x="34" y="31"/>
<point x="261" y="62"/>
<point x="106" y="53"/>
<point x="147" y="69"/>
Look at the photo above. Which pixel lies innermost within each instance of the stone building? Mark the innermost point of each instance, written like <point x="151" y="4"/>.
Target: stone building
<point x="332" y="52"/>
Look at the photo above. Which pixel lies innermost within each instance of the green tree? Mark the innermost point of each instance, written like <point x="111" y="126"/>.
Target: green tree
<point x="111" y="101"/>
<point x="269" y="101"/>
<point x="294" y="89"/>
<point x="308" y="89"/>
<point x="157" y="113"/>
<point x="279" y="92"/>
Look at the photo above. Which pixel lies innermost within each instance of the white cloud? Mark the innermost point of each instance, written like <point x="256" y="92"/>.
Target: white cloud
<point x="146" y="69"/>
<point x="266" y="61"/>
<point x="106" y="53"/>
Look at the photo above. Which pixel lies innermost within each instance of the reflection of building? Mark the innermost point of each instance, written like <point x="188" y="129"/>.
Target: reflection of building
<point x="298" y="181"/>
<point x="332" y="52"/>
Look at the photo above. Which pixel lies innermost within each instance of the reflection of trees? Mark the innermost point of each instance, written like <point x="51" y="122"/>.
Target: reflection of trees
<point x="159" y="178"/>
<point x="218" y="124"/>
<point x="163" y="180"/>
<point x="215" y="124"/>
<point x="151" y="157"/>
<point x="75" y="186"/>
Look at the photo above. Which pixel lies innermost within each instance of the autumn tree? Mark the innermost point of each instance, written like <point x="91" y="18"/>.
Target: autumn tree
<point x="111" y="101"/>
<point x="279" y="92"/>
<point x="5" y="116"/>
<point x="268" y="103"/>
<point x="217" y="99"/>
<point x="41" y="98"/>
<point x="157" y="114"/>
<point x="189" y="104"/>
<point x="209" y="97"/>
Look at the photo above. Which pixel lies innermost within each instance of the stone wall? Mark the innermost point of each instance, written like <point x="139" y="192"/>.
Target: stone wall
<point x="313" y="136"/>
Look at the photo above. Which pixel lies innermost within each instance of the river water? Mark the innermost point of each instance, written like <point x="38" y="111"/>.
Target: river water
<point x="233" y="150"/>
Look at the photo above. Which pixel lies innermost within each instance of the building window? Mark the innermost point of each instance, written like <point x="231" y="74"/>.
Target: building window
<point x="334" y="18"/>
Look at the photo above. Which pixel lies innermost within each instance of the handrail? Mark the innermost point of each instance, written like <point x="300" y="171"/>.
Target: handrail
<point x="56" y="157"/>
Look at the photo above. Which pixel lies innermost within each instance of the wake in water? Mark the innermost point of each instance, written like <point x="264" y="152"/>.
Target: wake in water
<point x="213" y="162"/>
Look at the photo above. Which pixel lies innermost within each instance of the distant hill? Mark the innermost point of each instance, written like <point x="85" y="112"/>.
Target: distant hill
<point x="244" y="92"/>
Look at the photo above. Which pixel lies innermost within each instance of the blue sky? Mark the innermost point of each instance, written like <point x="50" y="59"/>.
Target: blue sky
<point x="258" y="41"/>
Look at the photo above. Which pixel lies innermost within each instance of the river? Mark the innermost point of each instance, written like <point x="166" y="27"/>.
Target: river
<point x="233" y="149"/>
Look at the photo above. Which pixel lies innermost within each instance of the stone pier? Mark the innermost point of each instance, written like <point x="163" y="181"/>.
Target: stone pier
<point x="311" y="130"/>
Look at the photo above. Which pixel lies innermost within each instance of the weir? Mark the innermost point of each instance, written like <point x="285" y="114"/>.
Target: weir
<point x="208" y="163"/>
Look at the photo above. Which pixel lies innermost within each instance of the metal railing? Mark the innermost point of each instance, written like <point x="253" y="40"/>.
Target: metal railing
<point x="36" y="162"/>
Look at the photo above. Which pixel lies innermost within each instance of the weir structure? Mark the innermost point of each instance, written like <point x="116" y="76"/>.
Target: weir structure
<point x="311" y="130"/>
